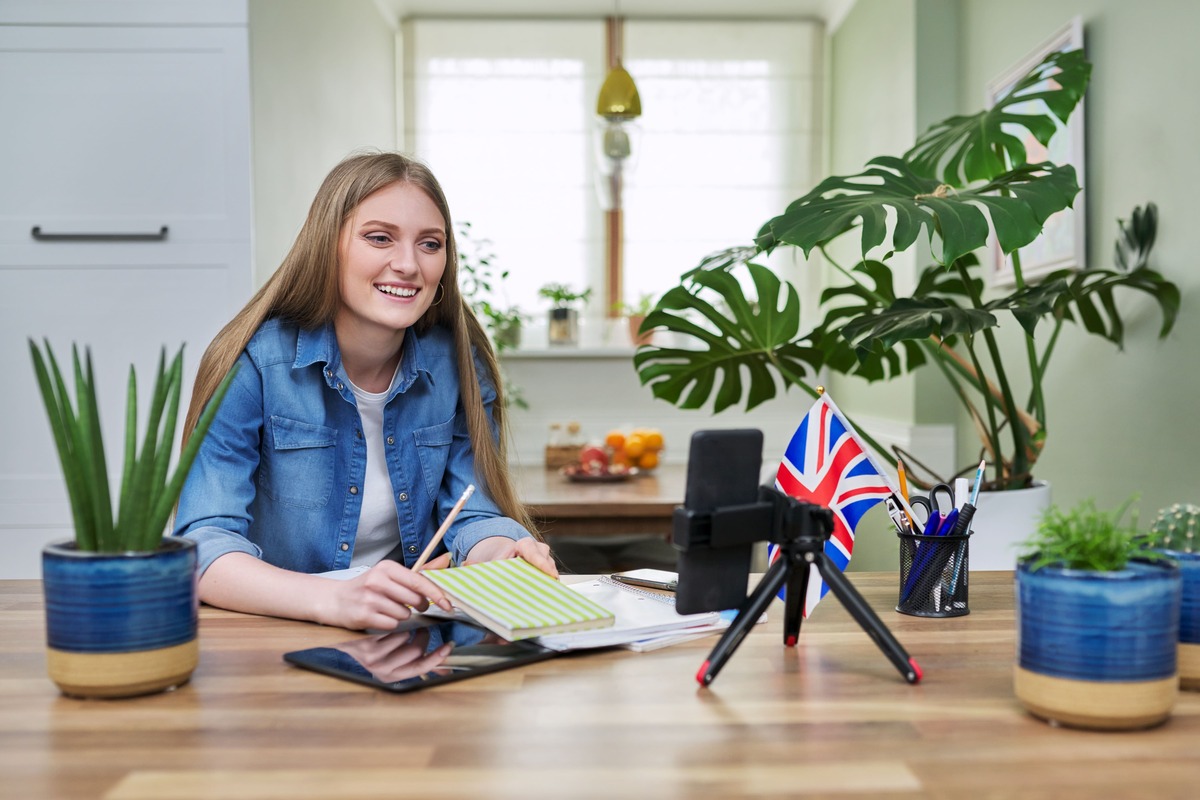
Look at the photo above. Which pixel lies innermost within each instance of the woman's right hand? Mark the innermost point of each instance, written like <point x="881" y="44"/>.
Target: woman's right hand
<point x="381" y="597"/>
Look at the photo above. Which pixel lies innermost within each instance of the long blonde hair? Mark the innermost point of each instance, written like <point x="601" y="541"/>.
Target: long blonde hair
<point x="304" y="291"/>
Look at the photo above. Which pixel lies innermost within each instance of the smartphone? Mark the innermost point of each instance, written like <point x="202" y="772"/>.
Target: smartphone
<point x="723" y="471"/>
<point x="650" y="578"/>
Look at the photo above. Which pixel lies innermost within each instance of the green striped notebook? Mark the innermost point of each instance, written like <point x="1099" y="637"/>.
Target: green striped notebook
<point x="517" y="600"/>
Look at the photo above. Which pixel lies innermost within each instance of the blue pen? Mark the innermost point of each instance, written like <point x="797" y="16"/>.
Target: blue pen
<point x="932" y="524"/>
<point x="978" y="481"/>
<point x="947" y="525"/>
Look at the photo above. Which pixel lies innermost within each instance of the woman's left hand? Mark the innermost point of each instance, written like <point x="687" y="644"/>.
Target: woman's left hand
<point x="495" y="548"/>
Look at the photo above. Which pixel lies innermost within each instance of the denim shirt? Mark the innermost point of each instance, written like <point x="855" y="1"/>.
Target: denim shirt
<point x="280" y="473"/>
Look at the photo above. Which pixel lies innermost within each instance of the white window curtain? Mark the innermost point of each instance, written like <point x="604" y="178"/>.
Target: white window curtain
<point x="503" y="111"/>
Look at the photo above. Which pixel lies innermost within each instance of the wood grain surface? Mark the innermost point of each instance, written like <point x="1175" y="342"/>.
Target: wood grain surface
<point x="828" y="718"/>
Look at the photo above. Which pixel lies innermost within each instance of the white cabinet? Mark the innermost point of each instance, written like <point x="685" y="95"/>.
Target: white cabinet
<point x="124" y="222"/>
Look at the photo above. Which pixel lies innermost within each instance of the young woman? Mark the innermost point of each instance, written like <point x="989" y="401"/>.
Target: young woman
<point x="365" y="401"/>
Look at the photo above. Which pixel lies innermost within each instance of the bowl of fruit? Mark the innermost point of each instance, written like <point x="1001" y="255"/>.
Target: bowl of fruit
<point x="621" y="456"/>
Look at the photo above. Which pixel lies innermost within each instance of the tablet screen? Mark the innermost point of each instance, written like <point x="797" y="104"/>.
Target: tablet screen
<point x="420" y="653"/>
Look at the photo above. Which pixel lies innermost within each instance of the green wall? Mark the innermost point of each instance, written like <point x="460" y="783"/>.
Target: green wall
<point x="1118" y="422"/>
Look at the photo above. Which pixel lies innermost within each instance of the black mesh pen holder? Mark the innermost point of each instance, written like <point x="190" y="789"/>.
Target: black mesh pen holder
<point x="933" y="575"/>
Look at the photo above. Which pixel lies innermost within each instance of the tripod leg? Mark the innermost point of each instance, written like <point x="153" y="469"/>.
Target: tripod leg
<point x="748" y="614"/>
<point x="870" y="622"/>
<point x="793" y="608"/>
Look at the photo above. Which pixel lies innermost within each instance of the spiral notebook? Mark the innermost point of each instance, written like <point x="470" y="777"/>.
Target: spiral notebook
<point x="641" y="616"/>
<point x="518" y="601"/>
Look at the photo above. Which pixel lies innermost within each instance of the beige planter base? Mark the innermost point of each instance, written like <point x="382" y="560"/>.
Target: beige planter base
<point x="1096" y="704"/>
<point x="122" y="674"/>
<point x="1189" y="666"/>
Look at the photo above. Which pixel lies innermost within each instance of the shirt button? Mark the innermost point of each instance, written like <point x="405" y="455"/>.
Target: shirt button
<point x="328" y="373"/>
<point x="340" y="386"/>
<point x="391" y="440"/>
<point x="412" y="548"/>
<point x="404" y="496"/>
<point x="353" y="490"/>
<point x="345" y="546"/>
<point x="358" y="433"/>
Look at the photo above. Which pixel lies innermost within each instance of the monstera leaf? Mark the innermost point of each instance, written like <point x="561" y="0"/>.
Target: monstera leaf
<point x="1087" y="297"/>
<point x="753" y="338"/>
<point x="870" y="295"/>
<point x="1017" y="202"/>
<point x="964" y="149"/>
<point x="910" y="318"/>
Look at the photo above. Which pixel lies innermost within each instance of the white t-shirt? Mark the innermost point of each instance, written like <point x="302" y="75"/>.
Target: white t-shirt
<point x="378" y="527"/>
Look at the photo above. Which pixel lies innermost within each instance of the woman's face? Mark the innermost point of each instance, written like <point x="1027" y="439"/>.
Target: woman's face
<point x="391" y="255"/>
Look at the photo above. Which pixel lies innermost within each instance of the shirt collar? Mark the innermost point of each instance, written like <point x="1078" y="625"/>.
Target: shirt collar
<point x="319" y="346"/>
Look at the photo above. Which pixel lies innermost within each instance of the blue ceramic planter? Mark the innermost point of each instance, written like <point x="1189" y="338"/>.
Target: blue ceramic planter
<point x="119" y="624"/>
<point x="1098" y="649"/>
<point x="1189" y="618"/>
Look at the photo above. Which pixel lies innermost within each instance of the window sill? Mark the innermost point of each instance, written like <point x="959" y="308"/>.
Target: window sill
<point x="569" y="352"/>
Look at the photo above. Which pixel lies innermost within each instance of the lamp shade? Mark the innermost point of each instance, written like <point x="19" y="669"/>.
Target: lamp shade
<point x="619" y="96"/>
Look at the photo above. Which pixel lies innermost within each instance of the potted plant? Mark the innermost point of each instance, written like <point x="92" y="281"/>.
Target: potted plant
<point x="963" y="177"/>
<point x="564" y="315"/>
<point x="482" y="287"/>
<point x="121" y="608"/>
<point x="1097" y="621"/>
<point x="1175" y="533"/>
<point x="635" y="314"/>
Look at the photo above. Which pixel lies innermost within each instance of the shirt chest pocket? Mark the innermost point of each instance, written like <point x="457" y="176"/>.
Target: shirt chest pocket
<point x="433" y="449"/>
<point x="297" y="463"/>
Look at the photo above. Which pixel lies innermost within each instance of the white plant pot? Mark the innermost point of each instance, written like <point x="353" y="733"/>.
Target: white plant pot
<point x="1003" y="520"/>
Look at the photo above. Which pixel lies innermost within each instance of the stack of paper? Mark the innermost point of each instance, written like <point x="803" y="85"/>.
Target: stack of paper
<point x="644" y="620"/>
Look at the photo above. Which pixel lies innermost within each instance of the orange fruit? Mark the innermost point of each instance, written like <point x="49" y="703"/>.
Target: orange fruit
<point x="648" y="460"/>
<point x="654" y="440"/>
<point x="635" y="445"/>
<point x="615" y="440"/>
<point x="619" y="457"/>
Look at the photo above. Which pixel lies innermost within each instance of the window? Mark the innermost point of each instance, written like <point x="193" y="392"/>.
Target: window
<point x="503" y="111"/>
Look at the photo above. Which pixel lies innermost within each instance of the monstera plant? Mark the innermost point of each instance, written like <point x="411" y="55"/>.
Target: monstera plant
<point x="964" y="177"/>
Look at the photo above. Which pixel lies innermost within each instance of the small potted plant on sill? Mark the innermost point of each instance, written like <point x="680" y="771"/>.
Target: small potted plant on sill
<point x="636" y="314"/>
<point x="1097" y="621"/>
<point x="564" y="311"/>
<point x="482" y="288"/>
<point x="121" y="607"/>
<point x="1175" y="533"/>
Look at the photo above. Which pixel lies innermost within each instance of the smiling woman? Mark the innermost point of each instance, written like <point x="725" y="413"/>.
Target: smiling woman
<point x="365" y="402"/>
<point x="392" y="254"/>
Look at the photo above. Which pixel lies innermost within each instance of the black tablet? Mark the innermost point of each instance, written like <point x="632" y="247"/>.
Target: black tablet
<point x="422" y="652"/>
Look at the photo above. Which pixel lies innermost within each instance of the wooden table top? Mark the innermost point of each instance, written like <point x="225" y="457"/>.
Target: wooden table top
<point x="829" y="718"/>
<point x="549" y="494"/>
<point x="642" y="505"/>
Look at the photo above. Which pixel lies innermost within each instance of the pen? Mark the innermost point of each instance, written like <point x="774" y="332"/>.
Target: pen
<point x="978" y="481"/>
<point x="437" y="537"/>
<point x="904" y="492"/>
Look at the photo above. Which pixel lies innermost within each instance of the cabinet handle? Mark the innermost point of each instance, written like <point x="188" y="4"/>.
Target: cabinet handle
<point x="36" y="233"/>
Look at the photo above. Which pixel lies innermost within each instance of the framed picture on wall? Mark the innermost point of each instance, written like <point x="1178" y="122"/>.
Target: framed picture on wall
<point x="1063" y="243"/>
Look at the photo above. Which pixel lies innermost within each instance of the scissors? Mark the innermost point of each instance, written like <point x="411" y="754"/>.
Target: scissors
<point x="935" y="512"/>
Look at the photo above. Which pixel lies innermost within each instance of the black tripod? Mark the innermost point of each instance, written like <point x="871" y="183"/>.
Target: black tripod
<point x="801" y="530"/>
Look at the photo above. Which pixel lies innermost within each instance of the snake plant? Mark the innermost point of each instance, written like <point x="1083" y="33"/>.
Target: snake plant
<point x="147" y="496"/>
<point x="964" y="177"/>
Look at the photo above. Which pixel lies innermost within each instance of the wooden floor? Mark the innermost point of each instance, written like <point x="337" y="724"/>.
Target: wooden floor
<point x="829" y="718"/>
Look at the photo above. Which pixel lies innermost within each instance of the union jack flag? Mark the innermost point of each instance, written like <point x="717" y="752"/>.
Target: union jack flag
<point x="826" y="464"/>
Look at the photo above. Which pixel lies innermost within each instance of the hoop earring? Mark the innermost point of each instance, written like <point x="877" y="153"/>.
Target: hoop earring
<point x="441" y="297"/>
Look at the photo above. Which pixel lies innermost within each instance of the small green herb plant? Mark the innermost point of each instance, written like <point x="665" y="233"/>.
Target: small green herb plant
<point x="147" y="496"/>
<point x="563" y="296"/>
<point x="481" y="284"/>
<point x="1086" y="538"/>
<point x="643" y="306"/>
